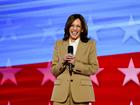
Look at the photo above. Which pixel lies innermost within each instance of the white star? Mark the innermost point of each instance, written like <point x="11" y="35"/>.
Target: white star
<point x="49" y="103"/>
<point x="131" y="73"/>
<point x="45" y="23"/>
<point x="90" y="103"/>
<point x="49" y="32"/>
<point x="10" y="31"/>
<point x="9" y="73"/>
<point x="131" y="30"/>
<point x="59" y="32"/>
<point x="8" y="103"/>
<point x="47" y="73"/>
<point x="93" y="29"/>
<point x="131" y="103"/>
<point x="94" y="77"/>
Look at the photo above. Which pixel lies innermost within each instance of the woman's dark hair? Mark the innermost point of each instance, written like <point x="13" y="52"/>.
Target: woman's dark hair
<point x="70" y="20"/>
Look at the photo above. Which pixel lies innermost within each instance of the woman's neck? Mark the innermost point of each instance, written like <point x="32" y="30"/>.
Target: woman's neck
<point x="73" y="40"/>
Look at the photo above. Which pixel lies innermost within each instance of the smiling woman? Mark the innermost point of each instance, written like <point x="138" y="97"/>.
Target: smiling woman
<point x="28" y="31"/>
<point x="73" y="85"/>
<point x="75" y="30"/>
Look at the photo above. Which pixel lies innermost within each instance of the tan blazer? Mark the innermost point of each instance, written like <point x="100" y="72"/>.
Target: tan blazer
<point x="79" y="84"/>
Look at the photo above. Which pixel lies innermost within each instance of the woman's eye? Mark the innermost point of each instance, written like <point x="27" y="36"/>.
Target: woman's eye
<point x="76" y="26"/>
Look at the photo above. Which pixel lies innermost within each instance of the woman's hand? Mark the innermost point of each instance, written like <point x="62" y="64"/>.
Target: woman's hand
<point x="70" y="58"/>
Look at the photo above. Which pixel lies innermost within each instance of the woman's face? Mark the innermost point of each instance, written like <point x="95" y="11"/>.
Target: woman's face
<point x="75" y="29"/>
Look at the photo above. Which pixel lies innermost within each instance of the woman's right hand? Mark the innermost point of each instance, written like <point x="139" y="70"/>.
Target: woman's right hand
<point x="70" y="58"/>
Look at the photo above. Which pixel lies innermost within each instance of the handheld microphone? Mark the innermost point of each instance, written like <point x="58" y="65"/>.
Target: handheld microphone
<point x="70" y="51"/>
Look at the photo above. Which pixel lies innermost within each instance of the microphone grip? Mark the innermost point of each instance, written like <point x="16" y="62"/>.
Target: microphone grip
<point x="70" y="68"/>
<point x="65" y="63"/>
<point x="70" y="51"/>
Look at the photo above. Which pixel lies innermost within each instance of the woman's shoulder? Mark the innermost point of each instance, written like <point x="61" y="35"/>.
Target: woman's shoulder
<point x="92" y="41"/>
<point x="59" y="42"/>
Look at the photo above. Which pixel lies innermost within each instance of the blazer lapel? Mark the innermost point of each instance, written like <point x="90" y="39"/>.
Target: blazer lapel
<point x="80" y="50"/>
<point x="65" y="47"/>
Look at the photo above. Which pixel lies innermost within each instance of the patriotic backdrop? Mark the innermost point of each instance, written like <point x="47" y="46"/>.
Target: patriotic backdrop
<point x="29" y="28"/>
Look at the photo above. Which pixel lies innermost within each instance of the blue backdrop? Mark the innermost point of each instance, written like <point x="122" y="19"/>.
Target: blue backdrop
<point x="29" y="28"/>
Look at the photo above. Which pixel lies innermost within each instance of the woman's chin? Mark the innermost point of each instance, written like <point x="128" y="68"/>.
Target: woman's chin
<point x="74" y="38"/>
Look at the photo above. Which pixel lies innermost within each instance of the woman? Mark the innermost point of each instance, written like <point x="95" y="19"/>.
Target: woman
<point x="74" y="88"/>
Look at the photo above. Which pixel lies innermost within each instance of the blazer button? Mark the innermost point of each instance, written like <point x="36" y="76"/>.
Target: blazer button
<point x="71" y="80"/>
